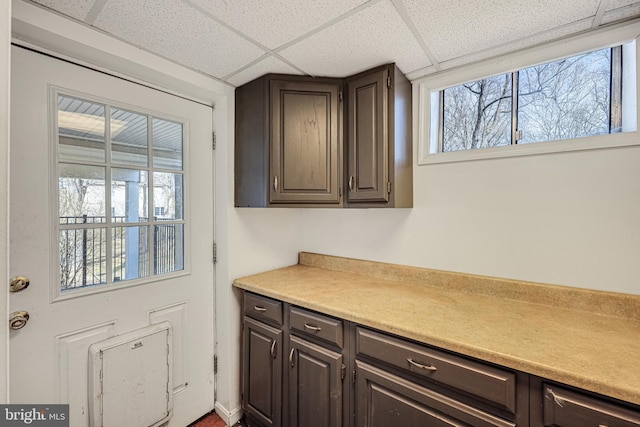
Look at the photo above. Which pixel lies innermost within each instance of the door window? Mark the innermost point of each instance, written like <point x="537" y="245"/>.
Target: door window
<point x="120" y="191"/>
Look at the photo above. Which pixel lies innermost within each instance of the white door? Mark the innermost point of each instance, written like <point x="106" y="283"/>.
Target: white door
<point x="111" y="220"/>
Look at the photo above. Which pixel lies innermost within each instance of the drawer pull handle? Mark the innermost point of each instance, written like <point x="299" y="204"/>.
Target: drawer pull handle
<point x="421" y="366"/>
<point x="273" y="349"/>
<point x="312" y="327"/>
<point x="260" y="309"/>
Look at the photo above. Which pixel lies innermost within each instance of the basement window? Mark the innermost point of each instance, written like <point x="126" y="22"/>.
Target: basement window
<point x="573" y="103"/>
<point x="570" y="98"/>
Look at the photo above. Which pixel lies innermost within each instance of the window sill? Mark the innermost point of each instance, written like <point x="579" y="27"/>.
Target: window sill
<point x="600" y="142"/>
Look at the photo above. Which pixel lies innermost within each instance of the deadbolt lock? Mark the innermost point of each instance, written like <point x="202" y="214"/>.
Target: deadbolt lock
<point x="18" y="319"/>
<point x="18" y="283"/>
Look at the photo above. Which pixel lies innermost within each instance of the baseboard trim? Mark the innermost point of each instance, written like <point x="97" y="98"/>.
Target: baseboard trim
<point x="228" y="416"/>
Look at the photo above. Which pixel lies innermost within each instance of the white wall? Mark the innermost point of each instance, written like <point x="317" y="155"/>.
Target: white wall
<point x="566" y="218"/>
<point x="5" y="49"/>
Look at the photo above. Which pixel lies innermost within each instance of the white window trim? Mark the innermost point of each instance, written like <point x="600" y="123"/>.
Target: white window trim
<point x="598" y="39"/>
<point x="55" y="293"/>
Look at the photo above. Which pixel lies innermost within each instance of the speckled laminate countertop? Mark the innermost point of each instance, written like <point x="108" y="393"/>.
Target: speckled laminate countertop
<point x="588" y="339"/>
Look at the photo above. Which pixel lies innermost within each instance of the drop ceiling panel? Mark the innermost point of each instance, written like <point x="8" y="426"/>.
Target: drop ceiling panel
<point x="77" y="9"/>
<point x="276" y="22"/>
<point x="519" y="44"/>
<point x="621" y="13"/>
<point x="458" y="27"/>
<point x="616" y="4"/>
<point x="270" y="64"/>
<point x="373" y="36"/>
<point x="177" y="31"/>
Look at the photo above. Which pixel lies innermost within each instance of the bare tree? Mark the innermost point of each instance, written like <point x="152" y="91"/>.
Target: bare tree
<point x="82" y="253"/>
<point x="559" y="100"/>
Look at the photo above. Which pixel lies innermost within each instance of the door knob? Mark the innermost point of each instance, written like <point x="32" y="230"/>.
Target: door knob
<point x="18" y="283"/>
<point x="18" y="319"/>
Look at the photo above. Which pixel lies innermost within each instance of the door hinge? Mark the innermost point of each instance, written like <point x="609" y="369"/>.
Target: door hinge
<point x="213" y="140"/>
<point x="215" y="364"/>
<point x="389" y="187"/>
<point x="343" y="372"/>
<point x="388" y="81"/>
<point x="215" y="253"/>
<point x="340" y="96"/>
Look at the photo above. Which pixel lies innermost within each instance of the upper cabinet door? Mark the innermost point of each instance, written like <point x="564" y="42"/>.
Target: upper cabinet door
<point x="368" y="140"/>
<point x="305" y="142"/>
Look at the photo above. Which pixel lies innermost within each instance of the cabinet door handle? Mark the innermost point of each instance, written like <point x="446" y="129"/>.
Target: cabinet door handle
<point x="351" y="179"/>
<point x="273" y="349"/>
<point x="260" y="309"/>
<point x="275" y="183"/>
<point x="421" y="366"/>
<point x="291" y="359"/>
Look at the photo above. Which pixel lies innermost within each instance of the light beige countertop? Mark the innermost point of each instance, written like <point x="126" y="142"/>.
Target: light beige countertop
<point x="588" y="339"/>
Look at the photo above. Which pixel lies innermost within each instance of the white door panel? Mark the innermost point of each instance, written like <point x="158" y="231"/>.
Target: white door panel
<point x="49" y="355"/>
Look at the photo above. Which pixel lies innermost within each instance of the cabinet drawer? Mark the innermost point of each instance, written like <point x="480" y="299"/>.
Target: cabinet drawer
<point x="384" y="399"/>
<point x="565" y="408"/>
<point x="263" y="308"/>
<point x="317" y="325"/>
<point x="487" y="382"/>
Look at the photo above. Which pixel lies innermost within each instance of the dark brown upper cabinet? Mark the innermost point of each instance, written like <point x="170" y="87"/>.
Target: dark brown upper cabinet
<point x="288" y="142"/>
<point x="289" y="149"/>
<point x="379" y="158"/>
<point x="305" y="142"/>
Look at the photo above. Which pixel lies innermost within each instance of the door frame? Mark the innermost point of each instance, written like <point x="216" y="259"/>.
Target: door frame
<point x="5" y="81"/>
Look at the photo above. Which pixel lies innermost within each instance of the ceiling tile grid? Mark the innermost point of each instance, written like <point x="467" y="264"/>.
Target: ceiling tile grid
<point x="239" y="40"/>
<point x="177" y="31"/>
<point x="267" y="64"/>
<point x="373" y="36"/>
<point x="276" y="22"/>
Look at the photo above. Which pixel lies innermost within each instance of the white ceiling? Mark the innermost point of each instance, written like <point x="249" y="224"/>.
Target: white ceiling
<point x="238" y="40"/>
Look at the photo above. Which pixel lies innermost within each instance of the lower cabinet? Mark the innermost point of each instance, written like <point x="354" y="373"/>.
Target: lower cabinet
<point x="262" y="369"/>
<point x="315" y="385"/>
<point x="306" y="369"/>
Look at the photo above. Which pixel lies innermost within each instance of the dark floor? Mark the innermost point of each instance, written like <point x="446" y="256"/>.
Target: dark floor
<point x="213" y="420"/>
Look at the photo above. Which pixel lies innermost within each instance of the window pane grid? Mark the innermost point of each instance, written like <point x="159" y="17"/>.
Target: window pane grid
<point x="114" y="224"/>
